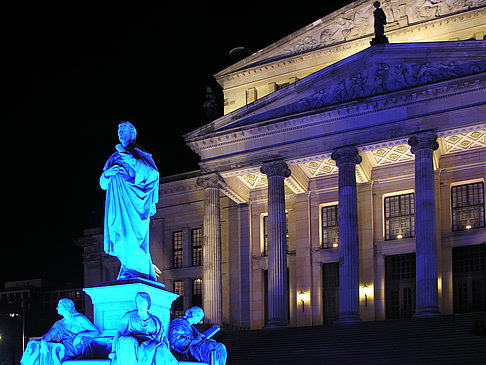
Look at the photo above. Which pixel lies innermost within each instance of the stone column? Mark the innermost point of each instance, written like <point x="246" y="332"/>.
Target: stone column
<point x="212" y="289"/>
<point x="423" y="146"/>
<point x="278" y="310"/>
<point x="346" y="159"/>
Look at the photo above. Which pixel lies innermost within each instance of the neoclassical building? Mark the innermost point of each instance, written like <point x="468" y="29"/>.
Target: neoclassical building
<point x="344" y="182"/>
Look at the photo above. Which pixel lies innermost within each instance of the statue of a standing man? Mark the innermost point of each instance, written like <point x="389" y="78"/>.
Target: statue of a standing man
<point x="379" y="24"/>
<point x="131" y="181"/>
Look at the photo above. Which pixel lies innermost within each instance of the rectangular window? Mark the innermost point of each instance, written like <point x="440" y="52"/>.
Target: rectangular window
<point x="177" y="243"/>
<point x="400" y="216"/>
<point x="196" y="246"/>
<point x="467" y="206"/>
<point x="178" y="304"/>
<point x="197" y="292"/>
<point x="265" y="233"/>
<point x="330" y="226"/>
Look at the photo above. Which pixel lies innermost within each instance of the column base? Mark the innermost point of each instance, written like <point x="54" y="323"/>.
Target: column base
<point x="348" y="318"/>
<point x="276" y="323"/>
<point x="426" y="312"/>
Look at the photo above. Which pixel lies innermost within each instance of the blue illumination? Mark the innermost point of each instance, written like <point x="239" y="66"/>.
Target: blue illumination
<point x="131" y="181"/>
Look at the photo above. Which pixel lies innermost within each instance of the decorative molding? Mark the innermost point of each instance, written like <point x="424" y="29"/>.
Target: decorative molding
<point x="364" y="107"/>
<point x="459" y="142"/>
<point x="327" y="35"/>
<point x="356" y="22"/>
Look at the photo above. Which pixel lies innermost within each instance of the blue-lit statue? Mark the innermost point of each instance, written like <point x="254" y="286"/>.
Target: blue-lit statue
<point x="131" y="181"/>
<point x="140" y="338"/>
<point x="69" y="338"/>
<point x="185" y="339"/>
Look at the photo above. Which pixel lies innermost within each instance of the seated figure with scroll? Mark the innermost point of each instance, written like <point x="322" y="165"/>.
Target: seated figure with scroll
<point x="131" y="181"/>
<point x="69" y="338"/>
<point x="185" y="339"/>
<point x="140" y="338"/>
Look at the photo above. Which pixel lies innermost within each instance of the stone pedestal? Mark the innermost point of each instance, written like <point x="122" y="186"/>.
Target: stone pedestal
<point x="278" y="310"/>
<point x="423" y="146"/>
<point x="212" y="287"/>
<point x="346" y="159"/>
<point x="112" y="299"/>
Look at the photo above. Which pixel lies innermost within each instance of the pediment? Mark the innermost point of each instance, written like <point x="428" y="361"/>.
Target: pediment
<point x="353" y="22"/>
<point x="377" y="70"/>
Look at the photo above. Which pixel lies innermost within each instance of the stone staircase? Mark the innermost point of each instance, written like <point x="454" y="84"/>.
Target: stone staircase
<point x="438" y="340"/>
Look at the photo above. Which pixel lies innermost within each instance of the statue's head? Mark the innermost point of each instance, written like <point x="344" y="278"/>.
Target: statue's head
<point x="65" y="307"/>
<point x="376" y="4"/>
<point x="142" y="299"/>
<point x="194" y="314"/>
<point x="126" y="133"/>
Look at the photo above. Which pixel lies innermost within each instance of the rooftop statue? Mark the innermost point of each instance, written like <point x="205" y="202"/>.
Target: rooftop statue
<point x="140" y="338"/>
<point x="187" y="340"/>
<point x="131" y="181"/>
<point x="379" y="24"/>
<point x="69" y="338"/>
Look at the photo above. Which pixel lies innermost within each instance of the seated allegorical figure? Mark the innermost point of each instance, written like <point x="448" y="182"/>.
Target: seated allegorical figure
<point x="187" y="340"/>
<point x="140" y="338"/>
<point x="69" y="338"/>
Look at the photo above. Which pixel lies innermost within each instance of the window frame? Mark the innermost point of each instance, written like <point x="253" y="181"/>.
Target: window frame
<point x="461" y="184"/>
<point x="411" y="216"/>
<point x="178" y="252"/>
<point x="334" y="205"/>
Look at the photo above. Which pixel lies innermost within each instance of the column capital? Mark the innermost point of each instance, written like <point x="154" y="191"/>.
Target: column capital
<point x="275" y="168"/>
<point x="423" y="140"/>
<point x="348" y="154"/>
<point x="211" y="180"/>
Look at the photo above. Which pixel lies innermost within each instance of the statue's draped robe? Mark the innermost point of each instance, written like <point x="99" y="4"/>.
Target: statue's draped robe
<point x="380" y="21"/>
<point x="186" y="339"/>
<point x="142" y="343"/>
<point x="131" y="197"/>
<point x="59" y="351"/>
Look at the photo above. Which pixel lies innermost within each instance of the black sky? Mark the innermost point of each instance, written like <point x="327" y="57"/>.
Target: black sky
<point x="71" y="74"/>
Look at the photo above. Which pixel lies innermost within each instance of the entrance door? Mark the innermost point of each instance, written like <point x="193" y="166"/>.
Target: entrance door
<point x="330" y="292"/>
<point x="400" y="285"/>
<point x="469" y="278"/>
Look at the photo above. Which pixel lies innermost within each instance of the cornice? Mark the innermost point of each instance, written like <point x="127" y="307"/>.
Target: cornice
<point x="292" y="59"/>
<point x="328" y="115"/>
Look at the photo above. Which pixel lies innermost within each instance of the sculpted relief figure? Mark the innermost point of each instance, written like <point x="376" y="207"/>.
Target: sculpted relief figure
<point x="131" y="181"/>
<point x="140" y="338"/>
<point x="187" y="340"/>
<point x="69" y="338"/>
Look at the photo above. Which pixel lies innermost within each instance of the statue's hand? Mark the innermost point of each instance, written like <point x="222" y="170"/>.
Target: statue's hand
<point x="77" y="340"/>
<point x="112" y="171"/>
<point x="112" y="355"/>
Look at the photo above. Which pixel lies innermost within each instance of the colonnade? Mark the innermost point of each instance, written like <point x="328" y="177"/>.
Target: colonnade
<point x="422" y="146"/>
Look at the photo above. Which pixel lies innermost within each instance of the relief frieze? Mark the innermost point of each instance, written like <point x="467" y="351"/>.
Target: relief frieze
<point x="382" y="78"/>
<point x="357" y="21"/>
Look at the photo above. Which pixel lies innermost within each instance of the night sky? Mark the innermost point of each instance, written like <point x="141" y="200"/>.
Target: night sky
<point x="70" y="75"/>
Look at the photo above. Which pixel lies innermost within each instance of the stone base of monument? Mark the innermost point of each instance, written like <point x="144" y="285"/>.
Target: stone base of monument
<point x="379" y="40"/>
<point x="112" y="299"/>
<point x="107" y="362"/>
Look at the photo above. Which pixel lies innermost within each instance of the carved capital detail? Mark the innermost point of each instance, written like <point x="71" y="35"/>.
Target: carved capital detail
<point x="212" y="180"/>
<point x="348" y="154"/>
<point x="423" y="140"/>
<point x="275" y="168"/>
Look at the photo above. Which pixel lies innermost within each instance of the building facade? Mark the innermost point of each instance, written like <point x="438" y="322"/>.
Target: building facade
<point x="344" y="182"/>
